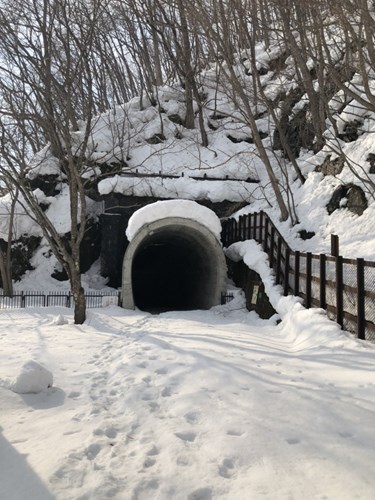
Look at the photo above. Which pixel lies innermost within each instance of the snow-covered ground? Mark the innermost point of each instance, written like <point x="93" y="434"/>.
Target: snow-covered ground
<point x="196" y="405"/>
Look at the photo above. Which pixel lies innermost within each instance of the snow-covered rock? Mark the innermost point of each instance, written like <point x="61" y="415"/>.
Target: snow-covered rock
<point x="33" y="378"/>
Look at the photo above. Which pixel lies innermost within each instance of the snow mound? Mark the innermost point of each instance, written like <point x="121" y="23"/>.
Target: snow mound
<point x="60" y="320"/>
<point x="33" y="378"/>
<point x="311" y="328"/>
<point x="256" y="259"/>
<point x="185" y="209"/>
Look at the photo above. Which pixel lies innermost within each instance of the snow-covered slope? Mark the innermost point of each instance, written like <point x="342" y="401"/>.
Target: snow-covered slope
<point x="151" y="153"/>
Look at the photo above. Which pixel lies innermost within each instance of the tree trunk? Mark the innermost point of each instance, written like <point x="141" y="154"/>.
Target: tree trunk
<point x="6" y="276"/>
<point x="79" y="303"/>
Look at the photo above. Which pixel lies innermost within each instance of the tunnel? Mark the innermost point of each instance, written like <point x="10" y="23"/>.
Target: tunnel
<point x="173" y="264"/>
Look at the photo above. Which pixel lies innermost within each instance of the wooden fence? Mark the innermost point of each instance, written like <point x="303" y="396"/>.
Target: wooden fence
<point x="345" y="288"/>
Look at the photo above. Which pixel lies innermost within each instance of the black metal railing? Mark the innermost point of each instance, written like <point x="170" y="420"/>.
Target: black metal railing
<point x="59" y="299"/>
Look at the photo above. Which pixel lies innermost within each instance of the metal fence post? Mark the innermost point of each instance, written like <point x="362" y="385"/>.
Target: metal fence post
<point x="361" y="319"/>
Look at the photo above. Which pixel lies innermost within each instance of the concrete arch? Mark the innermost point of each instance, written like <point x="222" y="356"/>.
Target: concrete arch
<point x="171" y="264"/>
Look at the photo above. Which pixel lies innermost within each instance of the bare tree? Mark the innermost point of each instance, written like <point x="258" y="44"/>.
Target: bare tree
<point x="6" y="245"/>
<point x="231" y="76"/>
<point x="47" y="87"/>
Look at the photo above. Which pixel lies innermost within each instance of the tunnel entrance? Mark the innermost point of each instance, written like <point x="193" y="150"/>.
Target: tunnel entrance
<point x="174" y="265"/>
<point x="166" y="276"/>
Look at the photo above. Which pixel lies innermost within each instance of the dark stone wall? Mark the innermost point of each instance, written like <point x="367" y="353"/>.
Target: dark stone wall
<point x="22" y="250"/>
<point x="252" y="284"/>
<point x="114" y="244"/>
<point x="118" y="210"/>
<point x="89" y="250"/>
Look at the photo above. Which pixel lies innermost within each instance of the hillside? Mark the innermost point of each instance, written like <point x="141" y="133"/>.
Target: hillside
<point x="144" y="148"/>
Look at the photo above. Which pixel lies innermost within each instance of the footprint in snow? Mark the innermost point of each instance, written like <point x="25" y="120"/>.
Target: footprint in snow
<point x="149" y="462"/>
<point x="226" y="469"/>
<point x="109" y="432"/>
<point x="201" y="494"/>
<point x="186" y="436"/>
<point x="161" y="371"/>
<point x="166" y="392"/>
<point x="92" y="451"/>
<point x="345" y="434"/>
<point x="293" y="440"/>
<point x="234" y="432"/>
<point x="153" y="451"/>
<point x="74" y="395"/>
<point x="192" y="417"/>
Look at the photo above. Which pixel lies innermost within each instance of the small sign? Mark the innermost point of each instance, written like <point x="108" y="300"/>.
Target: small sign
<point x="254" y="297"/>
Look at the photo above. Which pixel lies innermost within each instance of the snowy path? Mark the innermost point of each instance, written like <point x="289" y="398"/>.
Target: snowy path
<point x="189" y="406"/>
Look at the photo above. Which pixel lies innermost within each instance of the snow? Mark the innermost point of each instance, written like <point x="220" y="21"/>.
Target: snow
<point x="195" y="405"/>
<point x="33" y="378"/>
<point x="182" y="187"/>
<point x="185" y="209"/>
<point x="171" y="168"/>
<point x="256" y="259"/>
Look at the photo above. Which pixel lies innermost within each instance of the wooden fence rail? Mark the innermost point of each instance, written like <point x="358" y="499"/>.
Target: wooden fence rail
<point x="345" y="288"/>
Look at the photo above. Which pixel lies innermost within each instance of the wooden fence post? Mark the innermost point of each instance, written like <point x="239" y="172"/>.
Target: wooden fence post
<point x="222" y="234"/>
<point x="361" y="319"/>
<point x="296" y="272"/>
<point x="255" y="222"/>
<point x="272" y="247"/>
<point x="335" y="245"/>
<point x="322" y="284"/>
<point x="339" y="291"/>
<point x="286" y="271"/>
<point x="249" y="225"/>
<point x="308" y="279"/>
<point x="265" y="241"/>
<point x="240" y="228"/>
<point x="261" y="214"/>
<point x="278" y="260"/>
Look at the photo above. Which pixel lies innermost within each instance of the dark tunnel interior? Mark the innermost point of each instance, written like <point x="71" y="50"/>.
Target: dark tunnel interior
<point x="171" y="271"/>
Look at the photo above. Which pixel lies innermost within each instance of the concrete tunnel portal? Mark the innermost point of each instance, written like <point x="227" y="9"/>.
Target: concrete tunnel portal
<point x="173" y="264"/>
